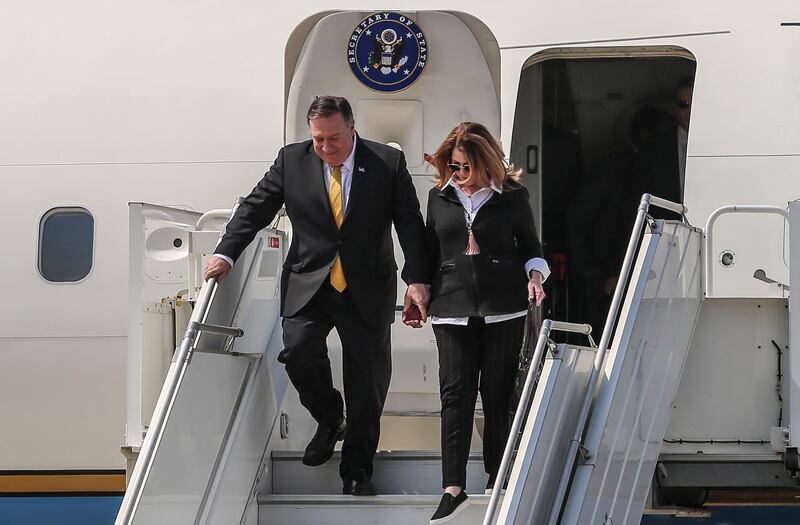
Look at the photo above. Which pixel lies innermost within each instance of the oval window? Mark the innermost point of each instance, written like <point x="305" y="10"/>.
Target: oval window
<point x="66" y="244"/>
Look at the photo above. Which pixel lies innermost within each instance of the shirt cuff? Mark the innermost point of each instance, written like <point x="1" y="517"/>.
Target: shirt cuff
<point x="230" y="261"/>
<point x="540" y="265"/>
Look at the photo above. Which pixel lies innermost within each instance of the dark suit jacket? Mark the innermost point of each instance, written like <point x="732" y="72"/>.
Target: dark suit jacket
<point x="652" y="169"/>
<point x="494" y="281"/>
<point x="381" y="193"/>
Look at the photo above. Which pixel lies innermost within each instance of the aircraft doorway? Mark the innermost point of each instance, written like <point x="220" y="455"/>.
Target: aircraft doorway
<point x="592" y="132"/>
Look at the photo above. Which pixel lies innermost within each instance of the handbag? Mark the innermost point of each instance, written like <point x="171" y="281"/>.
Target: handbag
<point x="533" y="323"/>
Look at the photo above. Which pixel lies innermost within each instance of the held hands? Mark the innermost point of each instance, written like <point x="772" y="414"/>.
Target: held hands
<point x="415" y="304"/>
<point x="216" y="267"/>
<point x="535" y="289"/>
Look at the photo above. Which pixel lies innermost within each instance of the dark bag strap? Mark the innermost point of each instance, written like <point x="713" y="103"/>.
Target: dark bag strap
<point x="533" y="322"/>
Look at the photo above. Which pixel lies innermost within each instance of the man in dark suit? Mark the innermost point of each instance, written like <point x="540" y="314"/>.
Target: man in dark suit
<point x="342" y="194"/>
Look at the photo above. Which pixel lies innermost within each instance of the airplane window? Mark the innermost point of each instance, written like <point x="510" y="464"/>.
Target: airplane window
<point x="66" y="244"/>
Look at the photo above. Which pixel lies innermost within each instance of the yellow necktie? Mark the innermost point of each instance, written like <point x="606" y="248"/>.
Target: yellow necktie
<point x="335" y="195"/>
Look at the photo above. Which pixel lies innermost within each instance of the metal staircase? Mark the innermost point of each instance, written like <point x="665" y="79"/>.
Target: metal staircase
<point x="583" y="445"/>
<point x="589" y="447"/>
<point x="205" y="446"/>
<point x="409" y="481"/>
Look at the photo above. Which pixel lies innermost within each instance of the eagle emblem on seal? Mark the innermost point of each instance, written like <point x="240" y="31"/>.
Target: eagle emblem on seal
<point x="387" y="52"/>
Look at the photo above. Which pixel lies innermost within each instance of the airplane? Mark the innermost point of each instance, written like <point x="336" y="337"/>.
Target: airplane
<point x="124" y="124"/>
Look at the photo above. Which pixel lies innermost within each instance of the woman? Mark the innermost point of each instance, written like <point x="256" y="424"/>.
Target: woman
<point x="488" y="265"/>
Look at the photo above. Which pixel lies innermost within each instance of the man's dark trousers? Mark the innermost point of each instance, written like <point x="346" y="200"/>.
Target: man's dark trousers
<point x="366" y="355"/>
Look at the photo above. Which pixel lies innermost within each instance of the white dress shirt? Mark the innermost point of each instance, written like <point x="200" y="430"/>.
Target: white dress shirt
<point x="347" y="181"/>
<point x="472" y="204"/>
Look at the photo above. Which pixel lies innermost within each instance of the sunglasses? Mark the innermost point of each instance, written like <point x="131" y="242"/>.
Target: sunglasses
<point x="683" y="104"/>
<point x="456" y="167"/>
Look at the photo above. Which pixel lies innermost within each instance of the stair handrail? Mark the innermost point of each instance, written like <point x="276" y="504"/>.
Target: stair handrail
<point x="166" y="401"/>
<point x="175" y="374"/>
<point x="576" y="442"/>
<point x="548" y="326"/>
<point x="223" y="213"/>
<point x="210" y="215"/>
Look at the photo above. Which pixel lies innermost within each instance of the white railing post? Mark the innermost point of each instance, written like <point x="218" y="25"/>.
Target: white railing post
<point x="794" y="336"/>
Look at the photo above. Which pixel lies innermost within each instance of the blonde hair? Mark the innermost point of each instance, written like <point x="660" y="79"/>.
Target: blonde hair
<point x="483" y="152"/>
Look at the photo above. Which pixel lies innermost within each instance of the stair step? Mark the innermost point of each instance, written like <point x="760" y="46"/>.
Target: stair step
<point x="412" y="429"/>
<point x="422" y="413"/>
<point x="361" y="510"/>
<point x="396" y="472"/>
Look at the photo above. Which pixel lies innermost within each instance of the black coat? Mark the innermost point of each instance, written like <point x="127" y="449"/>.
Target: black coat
<point x="494" y="281"/>
<point x="381" y="193"/>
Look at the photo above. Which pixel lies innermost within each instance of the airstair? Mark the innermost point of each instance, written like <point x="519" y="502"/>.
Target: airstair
<point x="589" y="447"/>
<point x="584" y="443"/>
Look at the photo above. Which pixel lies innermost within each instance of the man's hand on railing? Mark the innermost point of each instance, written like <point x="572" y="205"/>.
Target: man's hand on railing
<point x="216" y="267"/>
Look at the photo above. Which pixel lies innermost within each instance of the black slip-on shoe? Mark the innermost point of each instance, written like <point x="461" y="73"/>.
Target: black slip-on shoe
<point x="356" y="483"/>
<point x="449" y="507"/>
<point x="320" y="448"/>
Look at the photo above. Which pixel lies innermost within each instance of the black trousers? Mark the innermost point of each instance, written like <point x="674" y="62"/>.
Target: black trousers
<point x="475" y="357"/>
<point x="367" y="369"/>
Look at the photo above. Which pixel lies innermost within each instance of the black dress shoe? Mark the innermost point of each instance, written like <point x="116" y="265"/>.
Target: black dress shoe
<point x="357" y="484"/>
<point x="449" y="507"/>
<point x="320" y="448"/>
